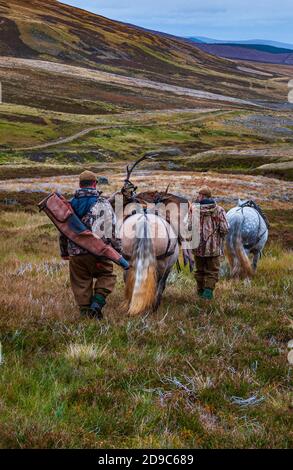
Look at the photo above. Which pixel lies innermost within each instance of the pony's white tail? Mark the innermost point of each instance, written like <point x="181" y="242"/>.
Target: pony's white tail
<point x="238" y="260"/>
<point x="141" y="282"/>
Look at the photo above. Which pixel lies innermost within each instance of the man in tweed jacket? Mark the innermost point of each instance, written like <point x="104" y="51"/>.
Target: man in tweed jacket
<point x="92" y="279"/>
<point x="213" y="230"/>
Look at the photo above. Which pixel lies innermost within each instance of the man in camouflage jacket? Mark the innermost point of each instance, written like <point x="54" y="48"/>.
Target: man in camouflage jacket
<point x="213" y="230"/>
<point x="92" y="279"/>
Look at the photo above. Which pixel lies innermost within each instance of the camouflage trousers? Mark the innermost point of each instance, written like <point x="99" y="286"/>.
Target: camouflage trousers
<point x="207" y="271"/>
<point x="90" y="276"/>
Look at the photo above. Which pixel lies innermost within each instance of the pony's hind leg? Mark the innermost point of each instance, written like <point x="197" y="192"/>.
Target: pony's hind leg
<point x="255" y="260"/>
<point x="161" y="287"/>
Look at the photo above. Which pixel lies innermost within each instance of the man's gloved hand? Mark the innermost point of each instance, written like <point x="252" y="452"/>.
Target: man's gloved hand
<point x="124" y="263"/>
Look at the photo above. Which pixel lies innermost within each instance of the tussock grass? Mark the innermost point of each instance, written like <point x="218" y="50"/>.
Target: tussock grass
<point x="163" y="380"/>
<point x="84" y="352"/>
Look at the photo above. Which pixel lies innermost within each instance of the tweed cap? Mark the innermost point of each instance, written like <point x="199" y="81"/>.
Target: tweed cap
<point x="205" y="191"/>
<point x="87" y="176"/>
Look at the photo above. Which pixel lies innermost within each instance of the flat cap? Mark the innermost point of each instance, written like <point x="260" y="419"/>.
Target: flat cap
<point x="87" y="176"/>
<point x="205" y="191"/>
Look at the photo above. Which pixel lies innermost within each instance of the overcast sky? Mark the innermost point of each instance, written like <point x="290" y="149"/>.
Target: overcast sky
<point x="219" y="19"/>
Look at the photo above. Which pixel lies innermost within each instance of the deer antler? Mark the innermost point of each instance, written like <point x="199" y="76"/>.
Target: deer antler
<point x="168" y="187"/>
<point x="130" y="169"/>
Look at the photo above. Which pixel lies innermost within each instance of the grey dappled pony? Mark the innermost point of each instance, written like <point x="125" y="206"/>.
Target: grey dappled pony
<point x="248" y="234"/>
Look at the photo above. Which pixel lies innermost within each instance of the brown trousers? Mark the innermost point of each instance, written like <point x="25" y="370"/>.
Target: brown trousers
<point x="84" y="269"/>
<point x="207" y="271"/>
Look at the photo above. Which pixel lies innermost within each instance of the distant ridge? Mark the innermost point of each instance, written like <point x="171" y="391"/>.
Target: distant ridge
<point x="261" y="47"/>
<point x="264" y="53"/>
<point x="262" y="42"/>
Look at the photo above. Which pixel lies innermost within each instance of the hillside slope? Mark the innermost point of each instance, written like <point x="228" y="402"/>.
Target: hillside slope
<point x="51" y="31"/>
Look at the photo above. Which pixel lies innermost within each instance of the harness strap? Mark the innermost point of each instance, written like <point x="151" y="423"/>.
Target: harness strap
<point x="260" y="214"/>
<point x="168" y="252"/>
<point x="166" y="255"/>
<point x="258" y="209"/>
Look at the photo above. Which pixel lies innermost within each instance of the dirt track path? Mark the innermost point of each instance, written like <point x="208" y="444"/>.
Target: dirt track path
<point x="61" y="140"/>
<point x="77" y="135"/>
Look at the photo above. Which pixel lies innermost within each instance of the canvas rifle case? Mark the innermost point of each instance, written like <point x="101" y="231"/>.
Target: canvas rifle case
<point x="59" y="210"/>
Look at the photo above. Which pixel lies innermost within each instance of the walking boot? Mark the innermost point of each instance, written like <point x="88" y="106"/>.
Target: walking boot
<point x="207" y="294"/>
<point x="200" y="292"/>
<point x="96" y="307"/>
<point x="84" y="311"/>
